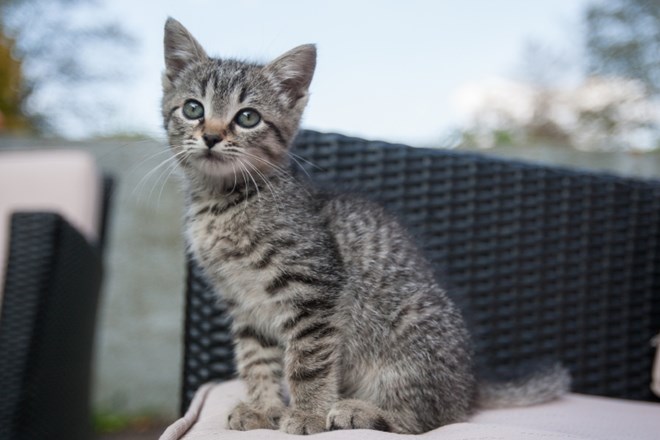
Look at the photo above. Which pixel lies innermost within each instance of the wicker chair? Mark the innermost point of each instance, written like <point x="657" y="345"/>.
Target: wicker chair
<point x="47" y="326"/>
<point x="545" y="262"/>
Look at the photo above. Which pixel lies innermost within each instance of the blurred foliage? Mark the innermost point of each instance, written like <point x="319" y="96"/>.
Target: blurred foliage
<point x="67" y="50"/>
<point x="109" y="422"/>
<point x="623" y="39"/>
<point x="614" y="105"/>
<point x="11" y="89"/>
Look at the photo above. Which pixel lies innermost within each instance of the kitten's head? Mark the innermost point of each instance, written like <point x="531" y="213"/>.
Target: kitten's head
<point x="226" y="119"/>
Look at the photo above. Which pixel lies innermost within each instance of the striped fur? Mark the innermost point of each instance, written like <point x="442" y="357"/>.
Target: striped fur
<point x="327" y="293"/>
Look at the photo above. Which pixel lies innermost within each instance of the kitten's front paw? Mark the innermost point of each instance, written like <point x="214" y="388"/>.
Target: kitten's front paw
<point x="245" y="417"/>
<point x="302" y="423"/>
<point x="356" y="414"/>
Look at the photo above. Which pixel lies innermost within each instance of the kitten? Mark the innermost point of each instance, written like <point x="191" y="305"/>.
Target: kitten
<point x="326" y="292"/>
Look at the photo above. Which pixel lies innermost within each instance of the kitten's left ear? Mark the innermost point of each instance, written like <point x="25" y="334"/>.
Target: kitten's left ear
<point x="181" y="49"/>
<point x="293" y="71"/>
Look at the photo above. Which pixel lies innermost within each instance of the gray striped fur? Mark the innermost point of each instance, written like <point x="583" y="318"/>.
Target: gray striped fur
<point x="327" y="293"/>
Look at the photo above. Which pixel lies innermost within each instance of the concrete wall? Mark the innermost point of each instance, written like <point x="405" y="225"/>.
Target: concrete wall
<point x="140" y="327"/>
<point x="138" y="362"/>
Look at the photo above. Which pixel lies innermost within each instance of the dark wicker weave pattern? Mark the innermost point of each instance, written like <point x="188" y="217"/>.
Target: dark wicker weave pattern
<point x="48" y="316"/>
<point x="545" y="262"/>
<point x="47" y="326"/>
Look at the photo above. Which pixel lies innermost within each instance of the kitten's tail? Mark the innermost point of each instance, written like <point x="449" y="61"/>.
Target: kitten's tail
<point x="541" y="386"/>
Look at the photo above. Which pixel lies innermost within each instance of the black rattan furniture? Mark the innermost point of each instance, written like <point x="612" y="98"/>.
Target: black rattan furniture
<point x="47" y="326"/>
<point x="546" y="263"/>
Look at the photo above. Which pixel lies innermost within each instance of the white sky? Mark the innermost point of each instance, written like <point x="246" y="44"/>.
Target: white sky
<point x="386" y="69"/>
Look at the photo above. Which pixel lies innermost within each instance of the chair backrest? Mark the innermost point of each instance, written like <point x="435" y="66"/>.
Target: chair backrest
<point x="64" y="181"/>
<point x="47" y="324"/>
<point x="545" y="262"/>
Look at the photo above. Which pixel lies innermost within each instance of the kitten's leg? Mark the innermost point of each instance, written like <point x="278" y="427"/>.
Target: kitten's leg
<point x="311" y="371"/>
<point x="259" y="362"/>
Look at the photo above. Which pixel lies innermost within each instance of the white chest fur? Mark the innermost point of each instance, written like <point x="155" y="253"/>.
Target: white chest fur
<point x="218" y="245"/>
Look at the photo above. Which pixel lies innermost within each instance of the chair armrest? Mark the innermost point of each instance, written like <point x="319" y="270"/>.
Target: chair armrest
<point x="47" y="325"/>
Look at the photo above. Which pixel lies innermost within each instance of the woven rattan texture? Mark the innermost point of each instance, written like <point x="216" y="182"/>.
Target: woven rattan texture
<point x="47" y="330"/>
<point x="546" y="263"/>
<point x="28" y="273"/>
<point x="208" y="349"/>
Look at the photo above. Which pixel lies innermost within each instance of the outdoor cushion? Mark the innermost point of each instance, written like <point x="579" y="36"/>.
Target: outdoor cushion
<point x="575" y="416"/>
<point x="65" y="181"/>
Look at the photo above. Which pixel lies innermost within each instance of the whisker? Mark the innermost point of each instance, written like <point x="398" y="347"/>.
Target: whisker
<point x="268" y="184"/>
<point x="160" y="175"/>
<point x="254" y="156"/>
<point x="294" y="156"/>
<point x="144" y="178"/>
<point x="243" y="164"/>
<point x="135" y="167"/>
<point x="302" y="167"/>
<point x="233" y="168"/>
<point x="151" y="156"/>
<point x="173" y="169"/>
<point x="279" y="171"/>
<point x="157" y="154"/>
<point x="173" y="165"/>
<point x="247" y="190"/>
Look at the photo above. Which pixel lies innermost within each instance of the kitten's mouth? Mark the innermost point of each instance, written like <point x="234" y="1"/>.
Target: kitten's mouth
<point x="214" y="163"/>
<point x="214" y="157"/>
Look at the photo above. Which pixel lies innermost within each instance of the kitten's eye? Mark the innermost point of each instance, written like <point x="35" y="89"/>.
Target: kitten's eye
<point x="247" y="118"/>
<point x="193" y="109"/>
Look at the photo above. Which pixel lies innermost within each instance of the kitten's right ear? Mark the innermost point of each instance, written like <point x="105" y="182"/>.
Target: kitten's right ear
<point x="181" y="49"/>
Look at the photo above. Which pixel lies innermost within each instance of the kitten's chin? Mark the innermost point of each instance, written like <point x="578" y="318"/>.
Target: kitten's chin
<point x="216" y="166"/>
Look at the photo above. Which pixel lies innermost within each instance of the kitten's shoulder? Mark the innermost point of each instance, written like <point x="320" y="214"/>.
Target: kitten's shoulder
<point x="343" y="204"/>
<point x="334" y="203"/>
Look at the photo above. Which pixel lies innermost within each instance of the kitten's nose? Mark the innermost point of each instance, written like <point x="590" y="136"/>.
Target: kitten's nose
<point x="211" y="139"/>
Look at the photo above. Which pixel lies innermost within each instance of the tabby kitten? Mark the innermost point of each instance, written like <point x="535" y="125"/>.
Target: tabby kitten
<point x="327" y="293"/>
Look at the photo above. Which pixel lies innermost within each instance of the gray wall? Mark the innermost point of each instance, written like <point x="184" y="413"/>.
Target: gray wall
<point x="140" y="327"/>
<point x="137" y="365"/>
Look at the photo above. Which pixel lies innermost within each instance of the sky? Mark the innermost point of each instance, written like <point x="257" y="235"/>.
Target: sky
<point x="386" y="70"/>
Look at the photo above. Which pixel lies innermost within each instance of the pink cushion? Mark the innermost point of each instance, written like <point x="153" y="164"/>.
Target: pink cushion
<point x="67" y="182"/>
<point x="576" y="417"/>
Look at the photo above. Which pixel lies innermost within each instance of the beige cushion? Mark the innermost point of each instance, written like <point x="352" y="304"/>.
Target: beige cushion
<point x="575" y="416"/>
<point x="67" y="182"/>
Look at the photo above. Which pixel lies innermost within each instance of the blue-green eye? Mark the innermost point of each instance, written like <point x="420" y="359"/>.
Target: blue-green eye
<point x="247" y="118"/>
<point x="193" y="109"/>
